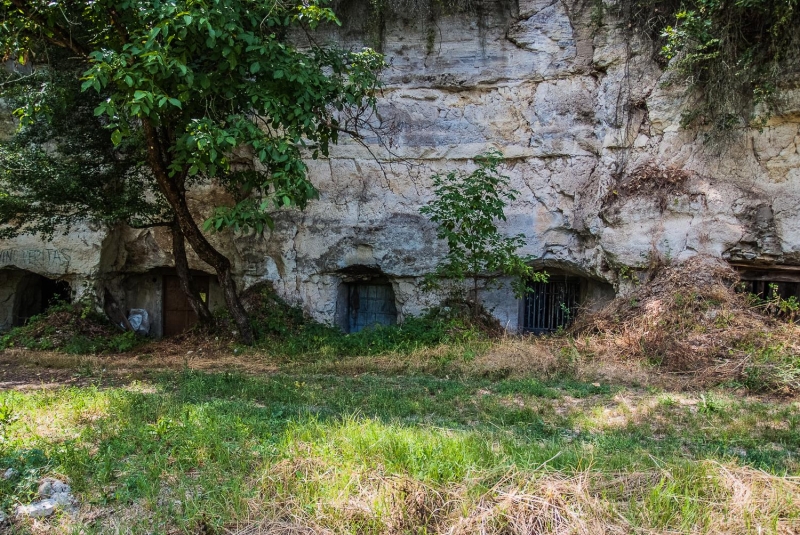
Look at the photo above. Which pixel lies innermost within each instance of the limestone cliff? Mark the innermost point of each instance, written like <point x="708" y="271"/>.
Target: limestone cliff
<point x="592" y="136"/>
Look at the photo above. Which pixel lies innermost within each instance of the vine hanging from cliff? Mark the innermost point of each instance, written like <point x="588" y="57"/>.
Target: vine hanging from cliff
<point x="737" y="54"/>
<point x="734" y="55"/>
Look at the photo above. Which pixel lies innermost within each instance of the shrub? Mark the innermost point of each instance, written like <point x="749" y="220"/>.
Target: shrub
<point x="285" y="330"/>
<point x="74" y="328"/>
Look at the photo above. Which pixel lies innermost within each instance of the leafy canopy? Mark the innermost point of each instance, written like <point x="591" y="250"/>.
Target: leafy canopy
<point x="466" y="208"/>
<point x="217" y="78"/>
<point x="60" y="167"/>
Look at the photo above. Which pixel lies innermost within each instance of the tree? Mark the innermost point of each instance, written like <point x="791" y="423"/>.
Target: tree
<point x="466" y="208"/>
<point x="199" y="83"/>
<point x="61" y="168"/>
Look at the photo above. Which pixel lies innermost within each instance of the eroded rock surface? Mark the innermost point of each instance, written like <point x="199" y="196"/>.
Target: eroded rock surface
<point x="576" y="106"/>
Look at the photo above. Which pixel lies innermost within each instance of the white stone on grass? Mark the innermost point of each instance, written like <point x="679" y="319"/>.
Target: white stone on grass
<point x="55" y="495"/>
<point x="50" y="487"/>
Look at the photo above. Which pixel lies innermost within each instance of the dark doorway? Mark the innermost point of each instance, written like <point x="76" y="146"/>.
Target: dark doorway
<point x="178" y="315"/>
<point x="766" y="289"/>
<point x="369" y="304"/>
<point x="550" y="305"/>
<point x="763" y="282"/>
<point x="35" y="294"/>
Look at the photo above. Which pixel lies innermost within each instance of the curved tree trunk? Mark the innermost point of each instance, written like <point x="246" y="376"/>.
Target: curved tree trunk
<point x="187" y="284"/>
<point x="175" y="194"/>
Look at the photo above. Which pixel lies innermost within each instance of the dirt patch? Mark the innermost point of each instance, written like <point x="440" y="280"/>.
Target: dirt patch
<point x="24" y="369"/>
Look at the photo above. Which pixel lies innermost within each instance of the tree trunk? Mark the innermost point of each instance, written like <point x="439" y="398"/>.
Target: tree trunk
<point x="475" y="297"/>
<point x="187" y="284"/>
<point x="175" y="193"/>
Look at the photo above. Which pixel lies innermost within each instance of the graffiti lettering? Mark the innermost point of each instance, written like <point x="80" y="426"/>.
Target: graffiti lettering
<point x="35" y="257"/>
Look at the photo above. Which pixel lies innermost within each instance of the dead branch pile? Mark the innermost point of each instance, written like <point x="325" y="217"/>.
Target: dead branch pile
<point x="689" y="319"/>
<point x="650" y="180"/>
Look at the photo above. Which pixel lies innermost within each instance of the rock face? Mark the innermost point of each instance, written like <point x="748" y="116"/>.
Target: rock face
<point x="579" y="108"/>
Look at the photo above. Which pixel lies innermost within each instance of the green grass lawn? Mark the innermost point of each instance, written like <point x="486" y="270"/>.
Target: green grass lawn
<point x="196" y="452"/>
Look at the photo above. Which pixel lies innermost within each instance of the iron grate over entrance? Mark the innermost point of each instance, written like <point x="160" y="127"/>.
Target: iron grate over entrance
<point x="764" y="288"/>
<point x="550" y="305"/>
<point x="370" y="304"/>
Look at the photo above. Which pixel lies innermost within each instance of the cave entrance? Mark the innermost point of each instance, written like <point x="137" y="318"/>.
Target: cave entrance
<point x="369" y="303"/>
<point x="366" y="299"/>
<point x="35" y="294"/>
<point x="760" y="281"/>
<point x="764" y="288"/>
<point x="549" y="306"/>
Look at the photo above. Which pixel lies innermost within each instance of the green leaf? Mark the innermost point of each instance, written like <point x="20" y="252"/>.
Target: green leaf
<point x="175" y="102"/>
<point x="255" y="67"/>
<point x="116" y="137"/>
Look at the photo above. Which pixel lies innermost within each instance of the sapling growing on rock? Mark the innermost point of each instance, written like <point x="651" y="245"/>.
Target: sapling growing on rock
<point x="466" y="208"/>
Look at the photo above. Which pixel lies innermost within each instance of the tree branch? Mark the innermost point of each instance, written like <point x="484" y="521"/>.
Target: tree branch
<point x="60" y="37"/>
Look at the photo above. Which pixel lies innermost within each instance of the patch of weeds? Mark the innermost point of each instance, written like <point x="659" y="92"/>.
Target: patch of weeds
<point x="26" y="465"/>
<point x="74" y="328"/>
<point x="677" y="501"/>
<point x="582" y="389"/>
<point x="283" y="330"/>
<point x="529" y="387"/>
<point x="709" y="404"/>
<point x="667" y="401"/>
<point x="773" y="368"/>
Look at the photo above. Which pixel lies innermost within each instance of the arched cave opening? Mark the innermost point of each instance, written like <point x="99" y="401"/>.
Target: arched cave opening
<point x="553" y="305"/>
<point x="549" y="306"/>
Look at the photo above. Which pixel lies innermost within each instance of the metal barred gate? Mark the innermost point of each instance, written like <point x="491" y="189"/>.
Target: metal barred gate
<point x="370" y="304"/>
<point x="550" y="305"/>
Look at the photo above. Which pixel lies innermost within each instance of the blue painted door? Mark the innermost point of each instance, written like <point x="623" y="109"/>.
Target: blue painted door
<point x="369" y="305"/>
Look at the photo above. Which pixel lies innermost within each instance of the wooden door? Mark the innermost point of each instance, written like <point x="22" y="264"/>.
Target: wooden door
<point x="178" y="315"/>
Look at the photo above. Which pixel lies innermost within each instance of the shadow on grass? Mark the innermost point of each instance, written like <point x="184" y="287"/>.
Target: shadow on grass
<point x="212" y="436"/>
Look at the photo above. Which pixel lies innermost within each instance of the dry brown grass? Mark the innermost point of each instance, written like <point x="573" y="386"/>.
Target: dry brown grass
<point x="688" y="319"/>
<point x="717" y="499"/>
<point x="24" y="368"/>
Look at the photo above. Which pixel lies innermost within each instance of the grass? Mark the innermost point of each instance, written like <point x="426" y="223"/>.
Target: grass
<point x="192" y="452"/>
<point x="644" y="421"/>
